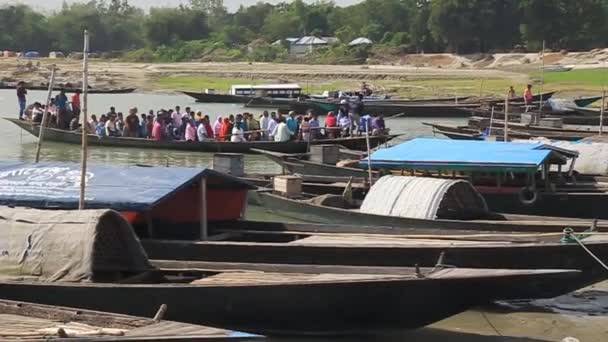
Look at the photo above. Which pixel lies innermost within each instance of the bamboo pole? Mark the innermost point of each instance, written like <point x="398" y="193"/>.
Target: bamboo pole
<point x="84" y="148"/>
<point x="601" y="130"/>
<point x="204" y="230"/>
<point x="542" y="82"/>
<point x="491" y="121"/>
<point x="45" y="114"/>
<point x="369" y="153"/>
<point x="506" y="126"/>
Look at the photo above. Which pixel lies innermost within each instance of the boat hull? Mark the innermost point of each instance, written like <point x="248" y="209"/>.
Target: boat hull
<point x="309" y="212"/>
<point x="63" y="136"/>
<point x="325" y="308"/>
<point x="217" y="98"/>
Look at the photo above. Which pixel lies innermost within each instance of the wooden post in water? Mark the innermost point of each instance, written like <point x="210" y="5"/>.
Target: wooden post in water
<point x="602" y="112"/>
<point x="542" y="83"/>
<point x="204" y="231"/>
<point x="369" y="153"/>
<point x="45" y="115"/>
<point x="491" y="119"/>
<point x="506" y="125"/>
<point x="84" y="148"/>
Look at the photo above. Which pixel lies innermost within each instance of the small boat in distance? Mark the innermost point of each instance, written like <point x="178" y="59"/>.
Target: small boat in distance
<point x="246" y="93"/>
<point x="72" y="89"/>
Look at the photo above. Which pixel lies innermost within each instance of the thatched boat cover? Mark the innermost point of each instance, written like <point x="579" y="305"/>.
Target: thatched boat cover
<point x="592" y="156"/>
<point x="66" y="245"/>
<point x="424" y="198"/>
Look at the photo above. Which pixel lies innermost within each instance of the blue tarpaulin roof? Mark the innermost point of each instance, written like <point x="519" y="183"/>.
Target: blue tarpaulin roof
<point x="461" y="155"/>
<point x="124" y="188"/>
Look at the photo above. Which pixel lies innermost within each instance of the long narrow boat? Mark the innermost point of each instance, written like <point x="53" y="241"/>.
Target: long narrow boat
<point x="422" y="109"/>
<point x="515" y="132"/>
<point x="293" y="164"/>
<point x="57" y="135"/>
<point x="21" y="321"/>
<point x="217" y="98"/>
<point x="306" y="303"/>
<point x="305" y="210"/>
<point x="92" y="272"/>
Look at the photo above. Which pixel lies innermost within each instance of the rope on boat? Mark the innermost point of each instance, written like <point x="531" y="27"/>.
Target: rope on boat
<point x="569" y="235"/>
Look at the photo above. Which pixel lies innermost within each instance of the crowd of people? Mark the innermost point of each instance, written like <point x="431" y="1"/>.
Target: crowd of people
<point x="188" y="125"/>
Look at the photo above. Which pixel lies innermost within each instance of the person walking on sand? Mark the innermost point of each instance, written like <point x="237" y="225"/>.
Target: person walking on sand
<point x="21" y="98"/>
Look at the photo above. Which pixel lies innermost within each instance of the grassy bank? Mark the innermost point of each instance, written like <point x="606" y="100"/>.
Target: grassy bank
<point x="571" y="83"/>
<point x="415" y="88"/>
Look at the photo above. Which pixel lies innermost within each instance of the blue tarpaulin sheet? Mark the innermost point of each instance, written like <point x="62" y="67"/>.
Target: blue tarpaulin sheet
<point x="123" y="188"/>
<point x="461" y="155"/>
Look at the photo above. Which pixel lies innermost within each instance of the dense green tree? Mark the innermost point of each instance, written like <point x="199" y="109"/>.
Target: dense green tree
<point x="199" y="29"/>
<point x="169" y="25"/>
<point x="23" y="29"/>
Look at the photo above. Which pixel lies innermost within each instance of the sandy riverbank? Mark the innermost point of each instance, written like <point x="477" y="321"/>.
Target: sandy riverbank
<point x="433" y="70"/>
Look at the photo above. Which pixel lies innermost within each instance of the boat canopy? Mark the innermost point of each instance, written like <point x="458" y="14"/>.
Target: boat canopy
<point x="173" y="192"/>
<point x="592" y="159"/>
<point x="424" y="198"/>
<point x="62" y="245"/>
<point x="468" y="155"/>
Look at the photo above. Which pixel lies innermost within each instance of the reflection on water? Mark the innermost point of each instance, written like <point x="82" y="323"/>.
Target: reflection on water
<point x="473" y="326"/>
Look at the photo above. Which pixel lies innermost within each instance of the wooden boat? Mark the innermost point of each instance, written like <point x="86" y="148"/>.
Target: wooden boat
<point x="414" y="109"/>
<point x="309" y="302"/>
<point x="319" y="185"/>
<point x="57" y="135"/>
<point x="295" y="164"/>
<point x="305" y="210"/>
<point x="574" y="118"/>
<point x="21" y="321"/>
<point x="516" y="132"/>
<point x="217" y="98"/>
<point x="102" y="266"/>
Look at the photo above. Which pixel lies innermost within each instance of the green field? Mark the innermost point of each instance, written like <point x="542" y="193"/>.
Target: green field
<point x="570" y="83"/>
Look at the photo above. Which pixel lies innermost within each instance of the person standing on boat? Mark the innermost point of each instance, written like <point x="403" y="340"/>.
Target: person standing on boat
<point x="75" y="100"/>
<point x="217" y="127"/>
<point x="111" y="130"/>
<point x="237" y="130"/>
<point x="176" y="116"/>
<point x="365" y="123"/>
<point x="190" y="134"/>
<point x="149" y="125"/>
<point x="292" y="123"/>
<point x="225" y="130"/>
<point x="158" y="130"/>
<point x="512" y="93"/>
<point x="101" y="126"/>
<point x="343" y="109"/>
<point x="131" y="124"/>
<point x="345" y="124"/>
<point x="305" y="129"/>
<point x="61" y="102"/>
<point x="204" y="130"/>
<point x="143" y="126"/>
<point x="21" y="98"/>
<point x="330" y="125"/>
<point x="281" y="132"/>
<point x="92" y="124"/>
<point x="272" y="125"/>
<point x="528" y="97"/>
<point x="264" y="121"/>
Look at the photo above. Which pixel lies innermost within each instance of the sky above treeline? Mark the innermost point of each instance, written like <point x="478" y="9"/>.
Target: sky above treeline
<point x="232" y="5"/>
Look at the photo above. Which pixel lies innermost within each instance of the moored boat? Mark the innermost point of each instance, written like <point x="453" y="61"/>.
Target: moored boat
<point x="96" y="275"/>
<point x="58" y="135"/>
<point x="217" y="98"/>
<point x="21" y="321"/>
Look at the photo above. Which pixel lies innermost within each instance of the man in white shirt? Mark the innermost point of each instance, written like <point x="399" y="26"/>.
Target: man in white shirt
<point x="282" y="133"/>
<point x="177" y="117"/>
<point x="272" y="125"/>
<point x="264" y="121"/>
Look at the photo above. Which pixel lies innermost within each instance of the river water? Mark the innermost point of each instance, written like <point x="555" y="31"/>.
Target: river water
<point x="549" y="321"/>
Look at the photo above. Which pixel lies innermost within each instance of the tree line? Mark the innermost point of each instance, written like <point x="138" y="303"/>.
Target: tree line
<point x="460" y="26"/>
